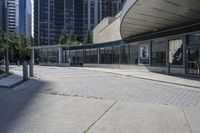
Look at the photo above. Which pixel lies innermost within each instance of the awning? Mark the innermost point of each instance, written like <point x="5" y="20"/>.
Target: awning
<point x="148" y="16"/>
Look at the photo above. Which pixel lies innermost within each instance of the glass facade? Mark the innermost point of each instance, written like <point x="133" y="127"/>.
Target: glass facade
<point x="193" y="57"/>
<point x="176" y="52"/>
<point x="158" y="53"/>
<point x="48" y="55"/>
<point x="162" y="52"/>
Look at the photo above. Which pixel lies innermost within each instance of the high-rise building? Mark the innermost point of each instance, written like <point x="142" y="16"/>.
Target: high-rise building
<point x="48" y="21"/>
<point x="24" y="17"/>
<point x="17" y="16"/>
<point x="1" y="13"/>
<point x="76" y="16"/>
<point x="120" y="4"/>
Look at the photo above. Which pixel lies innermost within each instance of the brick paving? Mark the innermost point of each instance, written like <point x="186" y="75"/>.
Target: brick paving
<point x="86" y="83"/>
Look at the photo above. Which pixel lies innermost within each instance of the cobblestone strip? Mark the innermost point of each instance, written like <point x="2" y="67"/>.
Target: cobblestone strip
<point x="101" y="116"/>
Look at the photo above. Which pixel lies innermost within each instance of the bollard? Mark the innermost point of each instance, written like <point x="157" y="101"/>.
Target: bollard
<point x="25" y="70"/>
<point x="31" y="69"/>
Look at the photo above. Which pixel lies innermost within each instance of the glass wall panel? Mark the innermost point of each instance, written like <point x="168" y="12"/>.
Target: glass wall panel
<point x="125" y="54"/>
<point x="116" y="54"/>
<point x="158" y="57"/>
<point x="194" y="39"/>
<point x="144" y="53"/>
<point x="134" y="48"/>
<point x="176" y="52"/>
<point x="108" y="55"/>
<point x="94" y="56"/>
<point x="102" y="56"/>
<point x="87" y="55"/>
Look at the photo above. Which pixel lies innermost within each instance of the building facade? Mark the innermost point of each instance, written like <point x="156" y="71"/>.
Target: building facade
<point x="17" y="16"/>
<point x="154" y="38"/>
<point x="1" y="13"/>
<point x="51" y="16"/>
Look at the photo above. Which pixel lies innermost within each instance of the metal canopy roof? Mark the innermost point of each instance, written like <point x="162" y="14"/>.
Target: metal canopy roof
<point x="147" y="16"/>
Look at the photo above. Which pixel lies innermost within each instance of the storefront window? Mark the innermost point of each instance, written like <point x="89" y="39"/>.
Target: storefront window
<point x="94" y="56"/>
<point x="134" y="53"/>
<point x="194" y="39"/>
<point x="144" y="53"/>
<point x="158" y="57"/>
<point x="108" y="55"/>
<point x="176" y="52"/>
<point x="116" y="54"/>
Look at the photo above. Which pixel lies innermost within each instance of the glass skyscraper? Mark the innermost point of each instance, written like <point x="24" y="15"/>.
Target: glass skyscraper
<point x="17" y="16"/>
<point x="1" y="13"/>
<point x="76" y="16"/>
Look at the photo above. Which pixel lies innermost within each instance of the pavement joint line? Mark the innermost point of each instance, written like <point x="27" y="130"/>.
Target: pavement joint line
<point x="113" y="104"/>
<point x="187" y="120"/>
<point x="149" y="79"/>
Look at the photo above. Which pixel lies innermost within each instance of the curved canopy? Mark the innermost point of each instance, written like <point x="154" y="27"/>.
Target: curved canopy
<point x="145" y="16"/>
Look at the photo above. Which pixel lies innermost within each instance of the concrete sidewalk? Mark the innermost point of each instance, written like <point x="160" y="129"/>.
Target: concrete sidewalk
<point x="183" y="81"/>
<point x="11" y="81"/>
<point x="65" y="114"/>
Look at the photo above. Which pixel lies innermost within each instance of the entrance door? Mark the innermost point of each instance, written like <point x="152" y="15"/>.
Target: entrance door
<point x="194" y="61"/>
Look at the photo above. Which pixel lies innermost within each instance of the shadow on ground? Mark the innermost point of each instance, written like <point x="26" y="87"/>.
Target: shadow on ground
<point x="14" y="103"/>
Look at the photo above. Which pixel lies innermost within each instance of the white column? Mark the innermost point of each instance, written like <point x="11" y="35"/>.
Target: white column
<point x="33" y="56"/>
<point x="60" y="55"/>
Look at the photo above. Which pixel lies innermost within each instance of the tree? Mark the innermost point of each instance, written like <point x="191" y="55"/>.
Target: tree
<point x="88" y="37"/>
<point x="23" y="50"/>
<point x="13" y="44"/>
<point x="2" y="43"/>
<point x="63" y="36"/>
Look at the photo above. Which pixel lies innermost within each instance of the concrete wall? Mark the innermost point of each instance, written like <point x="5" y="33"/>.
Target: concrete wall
<point x="107" y="30"/>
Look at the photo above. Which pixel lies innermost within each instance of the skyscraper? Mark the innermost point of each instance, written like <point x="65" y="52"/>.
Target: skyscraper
<point x="76" y="16"/>
<point x="17" y="16"/>
<point x="48" y="21"/>
<point x="1" y="13"/>
<point x="24" y="17"/>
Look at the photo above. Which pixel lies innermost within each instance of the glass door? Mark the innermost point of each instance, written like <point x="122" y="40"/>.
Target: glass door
<point x="194" y="61"/>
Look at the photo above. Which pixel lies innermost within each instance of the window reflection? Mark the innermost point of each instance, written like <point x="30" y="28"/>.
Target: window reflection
<point x="158" y="53"/>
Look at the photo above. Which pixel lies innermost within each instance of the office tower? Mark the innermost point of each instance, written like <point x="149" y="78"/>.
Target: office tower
<point x="120" y="4"/>
<point x="24" y="17"/>
<point x="1" y="13"/>
<point x="76" y="16"/>
<point x="17" y="16"/>
<point x="48" y="21"/>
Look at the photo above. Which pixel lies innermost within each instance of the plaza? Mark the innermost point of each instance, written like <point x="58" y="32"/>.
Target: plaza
<point x="61" y="99"/>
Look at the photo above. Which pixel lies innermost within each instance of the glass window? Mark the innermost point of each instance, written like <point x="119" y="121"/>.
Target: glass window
<point x="144" y="53"/>
<point x="134" y="53"/>
<point x="116" y="54"/>
<point x="102" y="56"/>
<point x="94" y="56"/>
<point x="124" y="54"/>
<point x="194" y="39"/>
<point x="158" y="57"/>
<point x="108" y="55"/>
<point x="176" y="52"/>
